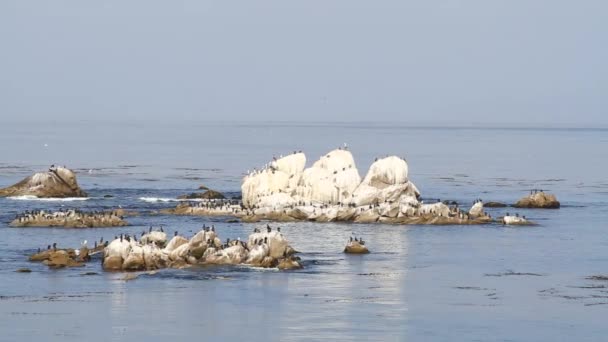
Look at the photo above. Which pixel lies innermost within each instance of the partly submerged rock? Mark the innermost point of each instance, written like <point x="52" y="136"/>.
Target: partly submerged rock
<point x="289" y="263"/>
<point x="209" y="194"/>
<point x="538" y="200"/>
<point x="516" y="221"/>
<point x="61" y="258"/>
<point x="56" y="182"/>
<point x="355" y="247"/>
<point x="495" y="205"/>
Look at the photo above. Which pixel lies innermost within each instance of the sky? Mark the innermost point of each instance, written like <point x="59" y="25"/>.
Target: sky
<point x="529" y="62"/>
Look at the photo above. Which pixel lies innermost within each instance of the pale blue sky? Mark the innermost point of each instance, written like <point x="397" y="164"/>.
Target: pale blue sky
<point x="531" y="62"/>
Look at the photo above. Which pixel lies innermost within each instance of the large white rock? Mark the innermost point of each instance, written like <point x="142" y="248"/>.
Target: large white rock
<point x="277" y="244"/>
<point x="257" y="254"/>
<point x="175" y="242"/>
<point x="229" y="256"/>
<point x="332" y="189"/>
<point x="282" y="175"/>
<point x="159" y="238"/>
<point x="135" y="260"/>
<point x="117" y="248"/>
<point x="201" y="238"/>
<point x="331" y="179"/>
<point x="386" y="172"/>
<point x="292" y="165"/>
<point x="408" y="205"/>
<point x="180" y="252"/>
<point x="276" y="201"/>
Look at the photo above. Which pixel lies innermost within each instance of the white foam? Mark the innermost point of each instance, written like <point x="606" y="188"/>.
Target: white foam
<point x="50" y="199"/>
<point x="164" y="199"/>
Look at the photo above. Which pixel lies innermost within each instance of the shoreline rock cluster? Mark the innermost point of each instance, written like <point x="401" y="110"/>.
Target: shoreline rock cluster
<point x="72" y="218"/>
<point x="332" y="190"/>
<point x="262" y="249"/>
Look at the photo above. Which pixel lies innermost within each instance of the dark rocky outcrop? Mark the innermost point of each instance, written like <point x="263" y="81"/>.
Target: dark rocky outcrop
<point x="209" y="194"/>
<point x="494" y="205"/>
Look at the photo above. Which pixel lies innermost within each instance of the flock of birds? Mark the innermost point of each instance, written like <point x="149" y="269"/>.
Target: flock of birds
<point x="355" y="239"/>
<point x="63" y="214"/>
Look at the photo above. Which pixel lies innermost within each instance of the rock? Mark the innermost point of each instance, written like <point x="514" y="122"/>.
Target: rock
<point x="232" y="221"/>
<point x="516" y="220"/>
<point x="477" y="210"/>
<point x="68" y="219"/>
<point x="157" y="237"/>
<point x="112" y="263"/>
<point x="289" y="264"/>
<point x="202" y="187"/>
<point x="175" y="242"/>
<point x="209" y="194"/>
<point x="130" y="276"/>
<point x="495" y="205"/>
<point x="44" y="255"/>
<point x="108" y="196"/>
<point x="57" y="182"/>
<point x="386" y="172"/>
<point x="354" y="247"/>
<point x="262" y="249"/>
<point x="212" y="194"/>
<point x="83" y="254"/>
<point x="60" y="258"/>
<point x="538" y="200"/>
<point x="135" y="259"/>
<point x="23" y="270"/>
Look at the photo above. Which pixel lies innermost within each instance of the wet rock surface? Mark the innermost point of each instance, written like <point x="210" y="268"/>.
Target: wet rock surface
<point x="56" y="182"/>
<point x="538" y="200"/>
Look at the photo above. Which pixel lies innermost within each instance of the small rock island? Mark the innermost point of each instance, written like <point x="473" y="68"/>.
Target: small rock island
<point x="57" y="182"/>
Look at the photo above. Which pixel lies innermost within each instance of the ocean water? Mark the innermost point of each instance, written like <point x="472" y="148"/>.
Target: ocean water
<point x="420" y="283"/>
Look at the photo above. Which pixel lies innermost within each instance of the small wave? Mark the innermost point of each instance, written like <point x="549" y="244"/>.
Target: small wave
<point x="51" y="199"/>
<point x="166" y="200"/>
<point x="158" y="199"/>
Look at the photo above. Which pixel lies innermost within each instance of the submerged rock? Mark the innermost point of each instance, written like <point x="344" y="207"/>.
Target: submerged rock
<point x="538" y="200"/>
<point x="56" y="182"/>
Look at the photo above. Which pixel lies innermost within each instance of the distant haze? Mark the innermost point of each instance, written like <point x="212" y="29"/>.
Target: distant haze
<point x="536" y="62"/>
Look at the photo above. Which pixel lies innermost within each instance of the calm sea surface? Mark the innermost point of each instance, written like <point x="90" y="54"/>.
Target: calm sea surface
<point x="420" y="283"/>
